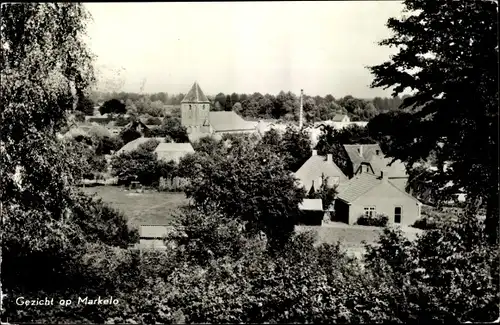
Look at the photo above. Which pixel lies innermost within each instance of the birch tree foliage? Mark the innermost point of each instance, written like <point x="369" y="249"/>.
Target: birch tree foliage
<point x="45" y="63"/>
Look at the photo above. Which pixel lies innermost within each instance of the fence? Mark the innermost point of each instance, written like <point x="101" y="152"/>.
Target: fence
<point x="175" y="184"/>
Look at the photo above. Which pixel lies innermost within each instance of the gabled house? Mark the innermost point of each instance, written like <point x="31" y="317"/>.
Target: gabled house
<point x="369" y="194"/>
<point x="360" y="156"/>
<point x="311" y="172"/>
<point x="368" y="158"/>
<point x="341" y="118"/>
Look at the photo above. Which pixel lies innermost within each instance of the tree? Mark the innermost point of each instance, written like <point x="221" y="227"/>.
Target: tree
<point x="138" y="164"/>
<point x="153" y="121"/>
<point x="229" y="103"/>
<point x="235" y="98"/>
<point x="156" y="108"/>
<point x="79" y="117"/>
<point x="237" y="108"/>
<point x="329" y="98"/>
<point x="122" y="121"/>
<point x="171" y="128"/>
<point x="295" y="148"/>
<point x="327" y="193"/>
<point x="221" y="99"/>
<point x="85" y="105"/>
<point x="452" y="71"/>
<point x="273" y="139"/>
<point x="206" y="145"/>
<point x="113" y="106"/>
<point x="130" y="107"/>
<point x="252" y="185"/>
<point x="44" y="62"/>
<point x="106" y="145"/>
<point x="175" y="130"/>
<point x="129" y="134"/>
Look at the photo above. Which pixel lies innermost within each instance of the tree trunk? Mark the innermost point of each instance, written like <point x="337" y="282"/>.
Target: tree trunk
<point x="492" y="220"/>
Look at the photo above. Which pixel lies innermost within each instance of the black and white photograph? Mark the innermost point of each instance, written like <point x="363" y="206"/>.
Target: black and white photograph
<point x="249" y="162"/>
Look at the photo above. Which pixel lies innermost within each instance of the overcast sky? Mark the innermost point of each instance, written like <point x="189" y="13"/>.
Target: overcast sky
<point x="245" y="47"/>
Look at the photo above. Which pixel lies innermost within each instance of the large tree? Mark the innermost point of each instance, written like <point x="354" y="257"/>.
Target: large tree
<point x="45" y="67"/>
<point x="249" y="184"/>
<point x="448" y="58"/>
<point x="113" y="106"/>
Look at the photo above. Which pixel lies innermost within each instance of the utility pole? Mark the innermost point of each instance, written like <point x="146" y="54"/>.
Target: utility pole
<point x="301" y="122"/>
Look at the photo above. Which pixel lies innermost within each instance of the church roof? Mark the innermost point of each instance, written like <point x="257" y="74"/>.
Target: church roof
<point x="224" y="121"/>
<point x="195" y="95"/>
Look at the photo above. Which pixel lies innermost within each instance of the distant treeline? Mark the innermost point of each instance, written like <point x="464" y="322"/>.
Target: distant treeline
<point x="283" y="106"/>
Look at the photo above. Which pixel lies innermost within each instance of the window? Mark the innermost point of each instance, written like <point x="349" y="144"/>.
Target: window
<point x="370" y="211"/>
<point x="367" y="168"/>
<point x="397" y="214"/>
<point x="377" y="152"/>
<point x="190" y="107"/>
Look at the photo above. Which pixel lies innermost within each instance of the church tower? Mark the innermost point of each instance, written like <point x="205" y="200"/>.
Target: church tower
<point x="195" y="110"/>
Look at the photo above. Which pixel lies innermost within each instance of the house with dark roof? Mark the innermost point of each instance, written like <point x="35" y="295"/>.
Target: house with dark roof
<point x="200" y="121"/>
<point x="370" y="195"/>
<point x="368" y="158"/>
<point x="311" y="172"/>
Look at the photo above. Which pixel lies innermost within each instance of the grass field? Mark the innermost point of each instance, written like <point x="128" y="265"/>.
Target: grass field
<point x="152" y="208"/>
<point x="159" y="208"/>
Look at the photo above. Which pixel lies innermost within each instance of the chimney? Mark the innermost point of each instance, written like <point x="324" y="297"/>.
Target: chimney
<point x="315" y="152"/>
<point x="329" y="157"/>
<point x="360" y="150"/>
<point x="301" y="108"/>
<point x="383" y="175"/>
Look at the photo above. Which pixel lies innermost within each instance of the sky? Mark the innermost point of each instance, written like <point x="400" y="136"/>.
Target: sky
<point x="243" y="47"/>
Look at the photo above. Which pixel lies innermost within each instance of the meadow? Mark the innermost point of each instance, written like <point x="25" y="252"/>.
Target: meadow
<point x="160" y="208"/>
<point x="149" y="208"/>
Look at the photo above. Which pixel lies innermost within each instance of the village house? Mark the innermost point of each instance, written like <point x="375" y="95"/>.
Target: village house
<point x="173" y="151"/>
<point x="341" y="118"/>
<point x="311" y="212"/>
<point x="311" y="172"/>
<point x="339" y="122"/>
<point x="370" y="195"/>
<point x="368" y="158"/>
<point x="200" y="121"/>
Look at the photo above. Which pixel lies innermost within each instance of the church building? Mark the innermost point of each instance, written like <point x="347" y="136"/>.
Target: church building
<point x="200" y="121"/>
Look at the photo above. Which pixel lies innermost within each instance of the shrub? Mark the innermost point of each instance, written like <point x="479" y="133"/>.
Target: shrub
<point x="449" y="274"/>
<point x="149" y="146"/>
<point x="379" y="220"/>
<point x="433" y="219"/>
<point x="140" y="164"/>
<point x="425" y="223"/>
<point x="207" y="235"/>
<point x="121" y="121"/>
<point x="79" y="116"/>
<point x="153" y="121"/>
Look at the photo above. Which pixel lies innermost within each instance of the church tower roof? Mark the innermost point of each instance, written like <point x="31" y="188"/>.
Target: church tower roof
<point x="195" y="95"/>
